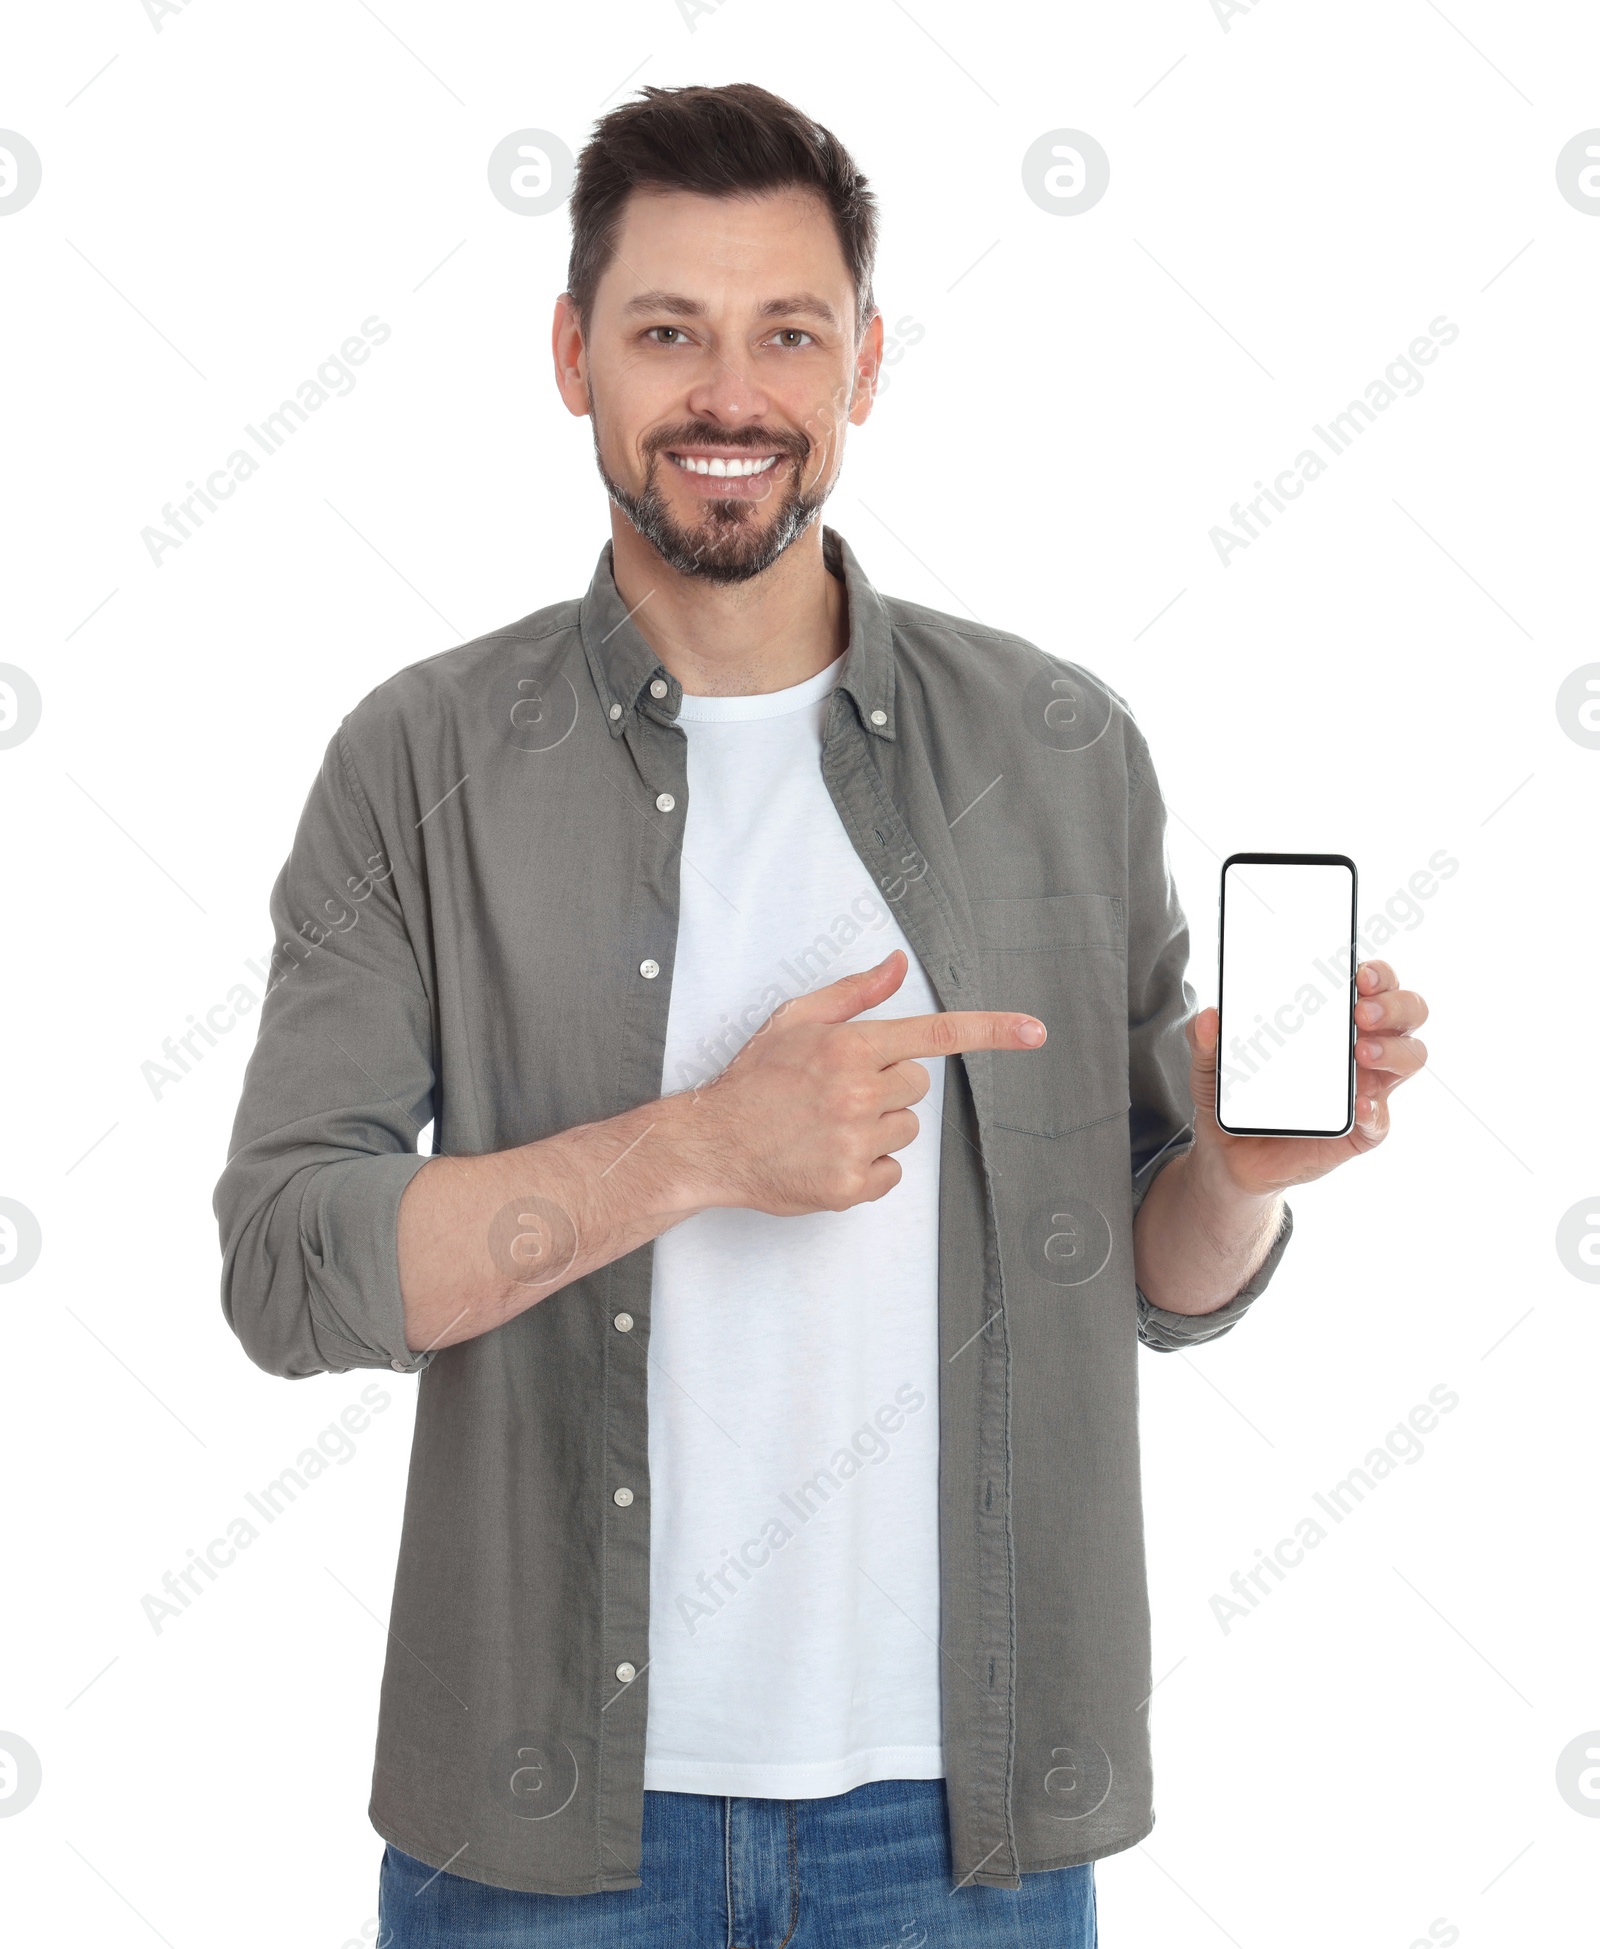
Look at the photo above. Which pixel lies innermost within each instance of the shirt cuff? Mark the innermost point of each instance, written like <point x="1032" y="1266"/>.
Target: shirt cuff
<point x="1170" y="1332"/>
<point x="349" y="1232"/>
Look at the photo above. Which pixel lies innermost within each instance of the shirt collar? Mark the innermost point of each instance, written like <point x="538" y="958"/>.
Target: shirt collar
<point x="629" y="676"/>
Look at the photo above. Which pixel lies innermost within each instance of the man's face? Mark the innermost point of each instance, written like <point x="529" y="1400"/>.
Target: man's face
<point x="720" y="370"/>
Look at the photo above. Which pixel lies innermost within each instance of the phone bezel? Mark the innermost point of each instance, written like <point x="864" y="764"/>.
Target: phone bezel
<point x="1287" y="859"/>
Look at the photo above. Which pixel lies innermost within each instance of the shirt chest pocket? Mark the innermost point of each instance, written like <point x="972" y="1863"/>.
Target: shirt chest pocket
<point x="1063" y="958"/>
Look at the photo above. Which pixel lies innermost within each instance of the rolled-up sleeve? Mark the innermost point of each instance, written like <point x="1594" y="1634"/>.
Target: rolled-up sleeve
<point x="1167" y="1332"/>
<point x="339" y="1084"/>
<point x="1160" y="1000"/>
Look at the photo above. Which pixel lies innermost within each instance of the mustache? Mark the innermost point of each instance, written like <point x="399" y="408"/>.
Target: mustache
<point x="695" y="433"/>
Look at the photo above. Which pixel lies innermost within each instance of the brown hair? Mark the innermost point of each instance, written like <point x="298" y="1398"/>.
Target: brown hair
<point x="737" y="140"/>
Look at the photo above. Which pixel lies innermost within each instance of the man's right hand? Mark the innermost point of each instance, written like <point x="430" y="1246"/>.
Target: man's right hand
<point x="808" y="1114"/>
<point x="805" y="1118"/>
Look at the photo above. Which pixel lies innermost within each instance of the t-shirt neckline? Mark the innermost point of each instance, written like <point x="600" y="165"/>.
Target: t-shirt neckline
<point x="767" y="703"/>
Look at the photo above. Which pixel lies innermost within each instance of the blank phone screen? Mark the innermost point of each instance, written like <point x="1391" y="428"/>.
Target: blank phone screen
<point x="1288" y="932"/>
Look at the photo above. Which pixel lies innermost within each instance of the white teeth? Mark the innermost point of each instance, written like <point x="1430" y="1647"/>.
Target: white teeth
<point x="741" y="468"/>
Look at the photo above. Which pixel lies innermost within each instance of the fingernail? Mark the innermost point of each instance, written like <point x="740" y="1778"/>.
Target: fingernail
<point x="1030" y="1032"/>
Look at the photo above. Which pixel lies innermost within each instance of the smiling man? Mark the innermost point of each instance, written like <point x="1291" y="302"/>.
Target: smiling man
<point x="796" y="988"/>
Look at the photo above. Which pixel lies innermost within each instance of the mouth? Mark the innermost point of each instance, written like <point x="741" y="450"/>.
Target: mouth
<point x="725" y="473"/>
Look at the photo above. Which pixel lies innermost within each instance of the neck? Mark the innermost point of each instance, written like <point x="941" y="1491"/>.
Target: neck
<point x="734" y="639"/>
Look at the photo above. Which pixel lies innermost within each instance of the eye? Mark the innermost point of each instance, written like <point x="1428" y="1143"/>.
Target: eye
<point x="790" y="333"/>
<point x="679" y="337"/>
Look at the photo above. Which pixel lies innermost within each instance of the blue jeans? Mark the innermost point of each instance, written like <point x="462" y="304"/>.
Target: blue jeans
<point x="862" y="1870"/>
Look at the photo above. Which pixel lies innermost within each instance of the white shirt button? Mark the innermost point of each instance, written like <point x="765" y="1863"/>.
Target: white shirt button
<point x="649" y="969"/>
<point x="658" y="688"/>
<point x="623" y="1322"/>
<point x="665" y="801"/>
<point x="622" y="1497"/>
<point x="880" y="717"/>
<point x="616" y="712"/>
<point x="399" y="1366"/>
<point x="626" y="1672"/>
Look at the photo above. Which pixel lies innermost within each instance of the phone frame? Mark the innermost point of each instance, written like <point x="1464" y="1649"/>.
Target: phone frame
<point x="1287" y="859"/>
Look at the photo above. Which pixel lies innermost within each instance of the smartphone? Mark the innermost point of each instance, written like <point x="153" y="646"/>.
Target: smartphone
<point x="1286" y="994"/>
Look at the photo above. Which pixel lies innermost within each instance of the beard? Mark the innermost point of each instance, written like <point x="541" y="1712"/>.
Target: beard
<point x="733" y="540"/>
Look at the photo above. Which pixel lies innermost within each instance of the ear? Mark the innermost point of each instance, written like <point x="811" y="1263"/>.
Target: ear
<point x="869" y="360"/>
<point x="571" y="357"/>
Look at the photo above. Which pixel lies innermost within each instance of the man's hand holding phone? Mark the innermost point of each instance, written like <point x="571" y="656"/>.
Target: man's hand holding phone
<point x="1387" y="1051"/>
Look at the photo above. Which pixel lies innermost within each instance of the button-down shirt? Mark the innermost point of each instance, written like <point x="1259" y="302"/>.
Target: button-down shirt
<point x="476" y="927"/>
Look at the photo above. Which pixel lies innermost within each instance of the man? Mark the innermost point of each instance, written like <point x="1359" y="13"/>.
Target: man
<point x="796" y="988"/>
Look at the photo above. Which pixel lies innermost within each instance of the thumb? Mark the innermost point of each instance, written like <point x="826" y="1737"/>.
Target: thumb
<point x="852" y="993"/>
<point x="1201" y="1032"/>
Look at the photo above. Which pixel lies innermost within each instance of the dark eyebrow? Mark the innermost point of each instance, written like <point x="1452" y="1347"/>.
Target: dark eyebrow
<point x="801" y="305"/>
<point x="664" y="301"/>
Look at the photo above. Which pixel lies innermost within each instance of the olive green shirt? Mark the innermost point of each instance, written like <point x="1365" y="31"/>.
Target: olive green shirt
<point x="476" y="927"/>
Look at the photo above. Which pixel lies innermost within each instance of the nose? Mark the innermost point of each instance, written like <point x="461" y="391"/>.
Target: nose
<point x="728" y="391"/>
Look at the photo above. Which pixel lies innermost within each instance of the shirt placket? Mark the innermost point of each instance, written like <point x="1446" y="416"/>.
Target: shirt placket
<point x="648" y="785"/>
<point x="914" y="873"/>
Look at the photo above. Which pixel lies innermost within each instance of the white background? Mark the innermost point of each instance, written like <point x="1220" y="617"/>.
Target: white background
<point x="225" y="200"/>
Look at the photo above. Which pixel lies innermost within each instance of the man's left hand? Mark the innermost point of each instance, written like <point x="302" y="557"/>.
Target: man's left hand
<point x="1387" y="1052"/>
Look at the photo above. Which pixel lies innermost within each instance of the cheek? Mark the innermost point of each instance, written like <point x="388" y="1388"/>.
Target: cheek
<point x="632" y="398"/>
<point x="825" y="428"/>
<point x="819" y="404"/>
<point x="819" y="469"/>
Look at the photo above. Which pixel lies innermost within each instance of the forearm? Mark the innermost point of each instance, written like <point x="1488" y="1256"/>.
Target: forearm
<point x="1197" y="1238"/>
<point x="481" y="1239"/>
<point x="805" y="1118"/>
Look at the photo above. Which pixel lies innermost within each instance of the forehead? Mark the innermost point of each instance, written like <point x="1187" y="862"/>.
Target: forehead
<point x="725" y="249"/>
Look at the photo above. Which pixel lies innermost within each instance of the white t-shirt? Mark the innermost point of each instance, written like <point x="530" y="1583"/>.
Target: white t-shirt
<point x="794" y="1367"/>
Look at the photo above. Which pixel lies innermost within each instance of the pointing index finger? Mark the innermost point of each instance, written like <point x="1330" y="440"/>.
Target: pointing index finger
<point x="905" y="1037"/>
